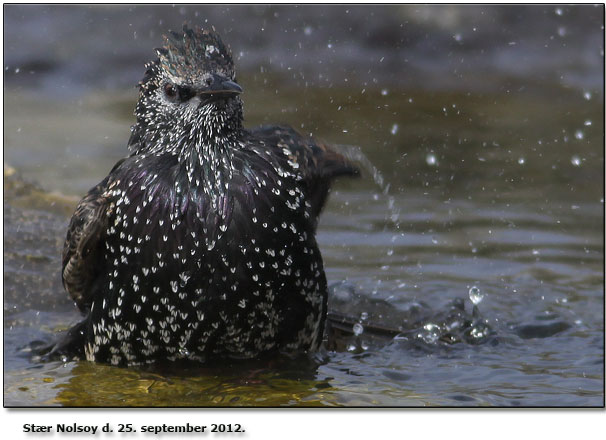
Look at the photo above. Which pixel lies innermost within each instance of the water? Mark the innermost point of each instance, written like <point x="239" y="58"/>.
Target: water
<point x="466" y="266"/>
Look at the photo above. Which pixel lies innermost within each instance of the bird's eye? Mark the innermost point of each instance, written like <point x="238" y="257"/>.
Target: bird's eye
<point x="170" y="90"/>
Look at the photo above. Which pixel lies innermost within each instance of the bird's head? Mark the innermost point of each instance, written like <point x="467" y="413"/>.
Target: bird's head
<point x="190" y="90"/>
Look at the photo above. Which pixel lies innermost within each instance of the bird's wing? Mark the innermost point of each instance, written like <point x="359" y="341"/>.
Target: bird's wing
<point x="82" y="251"/>
<point x="317" y="163"/>
<point x="315" y="159"/>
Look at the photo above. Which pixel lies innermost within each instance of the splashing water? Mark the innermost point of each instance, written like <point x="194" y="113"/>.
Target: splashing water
<point x="355" y="154"/>
<point x="431" y="159"/>
<point x="431" y="333"/>
<point x="475" y="295"/>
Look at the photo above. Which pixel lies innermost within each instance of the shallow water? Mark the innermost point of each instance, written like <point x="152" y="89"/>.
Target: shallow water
<point x="495" y="190"/>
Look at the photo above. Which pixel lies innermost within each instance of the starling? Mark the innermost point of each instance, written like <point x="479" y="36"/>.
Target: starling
<point x="201" y="242"/>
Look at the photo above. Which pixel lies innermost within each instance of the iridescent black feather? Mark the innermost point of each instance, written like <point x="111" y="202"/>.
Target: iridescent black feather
<point x="201" y="242"/>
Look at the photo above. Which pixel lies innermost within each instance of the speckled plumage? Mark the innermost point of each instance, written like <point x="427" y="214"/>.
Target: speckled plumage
<point x="201" y="242"/>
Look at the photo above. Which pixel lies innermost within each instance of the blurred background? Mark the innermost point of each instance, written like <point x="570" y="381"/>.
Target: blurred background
<point x="353" y="70"/>
<point x="481" y="128"/>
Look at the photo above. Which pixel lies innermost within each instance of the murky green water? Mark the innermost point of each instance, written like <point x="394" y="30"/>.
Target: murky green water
<point x="496" y="188"/>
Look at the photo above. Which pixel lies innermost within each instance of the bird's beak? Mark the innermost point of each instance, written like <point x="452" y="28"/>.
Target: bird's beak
<point x="220" y="86"/>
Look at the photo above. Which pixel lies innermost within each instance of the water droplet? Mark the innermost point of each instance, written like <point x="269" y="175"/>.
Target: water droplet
<point x="384" y="92"/>
<point x="475" y="295"/>
<point x="587" y="95"/>
<point x="308" y="30"/>
<point x="394" y="129"/>
<point x="579" y="134"/>
<point x="477" y="333"/>
<point x="575" y="160"/>
<point x="535" y="252"/>
<point x="559" y="11"/>
<point x="431" y="159"/>
<point x="587" y="122"/>
<point x="184" y="352"/>
<point x="562" y="31"/>
<point x="457" y="37"/>
<point x="358" y="329"/>
<point x="363" y="316"/>
<point x="431" y="333"/>
<point x="521" y="161"/>
<point x="329" y="45"/>
<point x="351" y="347"/>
